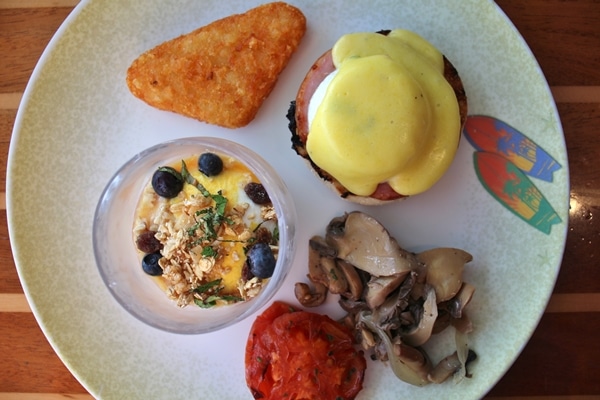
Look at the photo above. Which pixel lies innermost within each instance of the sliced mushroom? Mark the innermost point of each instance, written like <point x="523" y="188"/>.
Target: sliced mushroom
<point x="414" y="358"/>
<point x="310" y="297"/>
<point x="445" y="267"/>
<point x="462" y="324"/>
<point x="349" y="321"/>
<point x="443" y="320"/>
<point x="322" y="267"/>
<point x="449" y="366"/>
<point x="423" y="330"/>
<point x="352" y="306"/>
<point x="409" y="365"/>
<point x="462" y="350"/>
<point x="378" y="288"/>
<point x="457" y="304"/>
<point x="451" y="312"/>
<point x="386" y="315"/>
<point x="407" y="286"/>
<point x="362" y="241"/>
<point x="320" y="245"/>
<point x="367" y="339"/>
<point x="354" y="281"/>
<point x="336" y="279"/>
<point x="315" y="271"/>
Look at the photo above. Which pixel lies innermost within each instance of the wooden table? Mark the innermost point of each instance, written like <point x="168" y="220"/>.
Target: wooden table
<point x="562" y="360"/>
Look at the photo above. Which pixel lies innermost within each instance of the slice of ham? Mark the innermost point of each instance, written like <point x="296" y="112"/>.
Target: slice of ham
<point x="317" y="73"/>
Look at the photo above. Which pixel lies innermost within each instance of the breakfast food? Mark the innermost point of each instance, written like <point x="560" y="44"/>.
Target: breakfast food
<point x="395" y="300"/>
<point x="206" y="230"/>
<point x="379" y="116"/>
<point x="220" y="73"/>
<point x="295" y="354"/>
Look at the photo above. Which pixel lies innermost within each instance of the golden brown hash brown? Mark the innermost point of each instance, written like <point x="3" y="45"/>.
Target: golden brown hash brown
<point x="220" y="73"/>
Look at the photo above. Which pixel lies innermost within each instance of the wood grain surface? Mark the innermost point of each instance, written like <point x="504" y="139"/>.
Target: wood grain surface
<point x="560" y="362"/>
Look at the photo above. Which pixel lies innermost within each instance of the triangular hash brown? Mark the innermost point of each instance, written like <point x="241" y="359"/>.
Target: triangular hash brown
<point x="220" y="73"/>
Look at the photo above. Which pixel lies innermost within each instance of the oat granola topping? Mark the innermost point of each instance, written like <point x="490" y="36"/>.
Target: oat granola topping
<point x="205" y="232"/>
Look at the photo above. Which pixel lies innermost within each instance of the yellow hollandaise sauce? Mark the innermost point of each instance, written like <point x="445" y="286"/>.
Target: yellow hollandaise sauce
<point x="387" y="114"/>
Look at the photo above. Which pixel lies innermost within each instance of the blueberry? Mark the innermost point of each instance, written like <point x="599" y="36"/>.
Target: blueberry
<point x="257" y="193"/>
<point x="210" y="164"/>
<point x="261" y="260"/>
<point x="150" y="264"/>
<point x="167" y="182"/>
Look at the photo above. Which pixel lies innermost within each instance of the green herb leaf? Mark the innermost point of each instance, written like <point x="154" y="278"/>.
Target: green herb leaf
<point x="220" y="203"/>
<point x="231" y="298"/>
<point x="211" y="300"/>
<point x="207" y="286"/>
<point x="209" y="252"/>
<point x="202" y="189"/>
<point x="185" y="174"/>
<point x="189" y="179"/>
<point x="203" y="303"/>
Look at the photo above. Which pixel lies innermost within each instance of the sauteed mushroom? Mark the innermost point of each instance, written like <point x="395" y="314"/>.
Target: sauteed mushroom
<point x="310" y="297"/>
<point x="408" y="364"/>
<point x="421" y="332"/>
<point x="336" y="280"/>
<point x="352" y="236"/>
<point x="444" y="270"/>
<point x="328" y="274"/>
<point x="457" y="304"/>
<point x="355" y="283"/>
<point x="395" y="300"/>
<point x="379" y="287"/>
<point x="448" y="367"/>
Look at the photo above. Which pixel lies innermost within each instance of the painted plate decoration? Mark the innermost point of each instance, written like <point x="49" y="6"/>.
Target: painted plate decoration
<point x="493" y="135"/>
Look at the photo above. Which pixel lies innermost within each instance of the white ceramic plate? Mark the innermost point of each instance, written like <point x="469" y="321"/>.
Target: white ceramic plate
<point x="78" y="123"/>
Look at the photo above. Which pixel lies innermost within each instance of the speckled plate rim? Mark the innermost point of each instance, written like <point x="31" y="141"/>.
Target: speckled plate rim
<point x="97" y="125"/>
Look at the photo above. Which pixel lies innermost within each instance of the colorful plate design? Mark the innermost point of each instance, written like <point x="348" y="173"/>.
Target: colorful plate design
<point x="493" y="135"/>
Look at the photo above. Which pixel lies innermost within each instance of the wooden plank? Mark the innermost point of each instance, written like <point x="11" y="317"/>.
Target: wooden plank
<point x="28" y="361"/>
<point x="560" y="358"/>
<point x="37" y="3"/>
<point x="10" y="101"/>
<point x="582" y="252"/>
<point x="7" y="120"/>
<point x="574" y="302"/>
<point x="576" y="94"/>
<point x="564" y="38"/>
<point x="24" y="34"/>
<point x="9" y="280"/>
<point x="13" y="302"/>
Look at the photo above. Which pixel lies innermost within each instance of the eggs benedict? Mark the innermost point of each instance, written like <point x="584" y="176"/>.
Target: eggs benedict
<point x="379" y="116"/>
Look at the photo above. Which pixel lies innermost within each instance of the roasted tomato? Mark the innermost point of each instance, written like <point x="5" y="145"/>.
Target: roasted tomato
<point x="300" y="355"/>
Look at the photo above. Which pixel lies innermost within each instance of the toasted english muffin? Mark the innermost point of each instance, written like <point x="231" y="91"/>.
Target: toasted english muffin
<point x="298" y="125"/>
